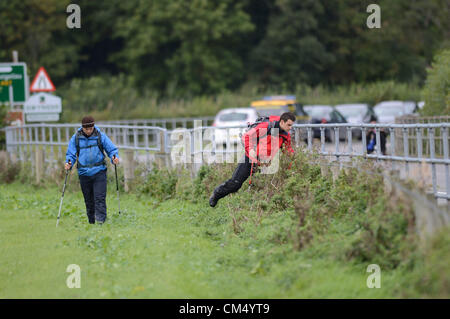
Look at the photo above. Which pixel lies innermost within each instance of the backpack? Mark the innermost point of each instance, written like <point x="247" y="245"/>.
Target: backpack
<point x="258" y="121"/>
<point x="99" y="145"/>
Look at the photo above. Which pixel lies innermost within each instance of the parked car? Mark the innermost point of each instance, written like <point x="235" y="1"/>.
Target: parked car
<point x="326" y="114"/>
<point x="232" y="117"/>
<point x="356" y="113"/>
<point x="278" y="104"/>
<point x="387" y="111"/>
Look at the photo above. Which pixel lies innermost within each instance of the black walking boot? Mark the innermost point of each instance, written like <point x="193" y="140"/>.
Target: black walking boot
<point x="213" y="200"/>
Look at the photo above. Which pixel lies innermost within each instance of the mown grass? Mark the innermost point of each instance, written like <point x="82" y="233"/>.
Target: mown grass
<point x="299" y="233"/>
<point x="171" y="249"/>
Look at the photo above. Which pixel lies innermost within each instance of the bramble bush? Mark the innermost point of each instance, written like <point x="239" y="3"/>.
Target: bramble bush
<point x="159" y="183"/>
<point x="309" y="208"/>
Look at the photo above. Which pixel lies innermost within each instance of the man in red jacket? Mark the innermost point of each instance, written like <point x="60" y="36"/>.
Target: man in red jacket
<point x="261" y="144"/>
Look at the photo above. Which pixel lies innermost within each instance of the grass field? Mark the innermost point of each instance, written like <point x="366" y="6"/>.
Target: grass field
<point x="172" y="249"/>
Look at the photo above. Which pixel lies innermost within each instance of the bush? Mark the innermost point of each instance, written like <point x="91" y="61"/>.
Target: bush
<point x="437" y="87"/>
<point x="160" y="184"/>
<point x="306" y="207"/>
<point x="9" y="170"/>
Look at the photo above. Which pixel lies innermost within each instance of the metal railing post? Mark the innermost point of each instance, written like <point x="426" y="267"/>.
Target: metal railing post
<point x="447" y="176"/>
<point x="309" y="139"/>
<point x="433" y="165"/>
<point x="406" y="149"/>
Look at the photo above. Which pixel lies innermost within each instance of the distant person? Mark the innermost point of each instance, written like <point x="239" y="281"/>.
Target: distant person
<point x="371" y="138"/>
<point x="88" y="145"/>
<point x="257" y="144"/>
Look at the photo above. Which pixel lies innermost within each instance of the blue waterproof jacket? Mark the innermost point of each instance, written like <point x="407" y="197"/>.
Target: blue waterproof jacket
<point x="90" y="157"/>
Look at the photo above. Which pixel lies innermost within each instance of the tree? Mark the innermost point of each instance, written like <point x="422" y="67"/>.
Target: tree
<point x="184" y="46"/>
<point x="328" y="42"/>
<point x="291" y="52"/>
<point x="37" y="30"/>
<point x="437" y="87"/>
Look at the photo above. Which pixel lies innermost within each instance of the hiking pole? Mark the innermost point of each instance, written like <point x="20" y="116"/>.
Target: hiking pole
<point x="117" y="184"/>
<point x="62" y="197"/>
<point x="251" y="172"/>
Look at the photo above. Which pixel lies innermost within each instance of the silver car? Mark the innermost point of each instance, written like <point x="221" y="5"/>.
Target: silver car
<point x="356" y="113"/>
<point x="232" y="117"/>
<point x="387" y="111"/>
<point x="326" y="114"/>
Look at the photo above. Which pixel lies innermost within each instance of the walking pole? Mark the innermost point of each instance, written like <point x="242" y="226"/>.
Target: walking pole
<point x="251" y="172"/>
<point x="117" y="184"/>
<point x="62" y="197"/>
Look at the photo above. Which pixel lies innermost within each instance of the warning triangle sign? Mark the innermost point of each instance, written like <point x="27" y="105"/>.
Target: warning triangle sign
<point x="42" y="82"/>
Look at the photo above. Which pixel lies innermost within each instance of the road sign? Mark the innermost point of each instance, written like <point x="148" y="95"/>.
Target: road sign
<point x="42" y="107"/>
<point x="13" y="83"/>
<point x="42" y="117"/>
<point x="43" y="103"/>
<point x="42" y="82"/>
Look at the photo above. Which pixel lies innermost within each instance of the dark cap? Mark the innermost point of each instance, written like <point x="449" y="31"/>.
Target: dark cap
<point x="87" y="121"/>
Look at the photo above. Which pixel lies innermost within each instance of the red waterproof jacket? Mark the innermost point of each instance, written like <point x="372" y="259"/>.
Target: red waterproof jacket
<point x="263" y="139"/>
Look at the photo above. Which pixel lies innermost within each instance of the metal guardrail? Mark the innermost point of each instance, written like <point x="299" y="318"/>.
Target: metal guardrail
<point x="146" y="141"/>
<point x="21" y="139"/>
<point x="414" y="118"/>
<point x="395" y="131"/>
<point x="413" y="134"/>
<point x="167" y="123"/>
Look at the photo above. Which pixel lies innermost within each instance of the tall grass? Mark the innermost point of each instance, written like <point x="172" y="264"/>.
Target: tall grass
<point x="113" y="98"/>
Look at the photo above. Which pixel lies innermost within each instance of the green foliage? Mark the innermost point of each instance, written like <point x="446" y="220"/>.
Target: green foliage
<point x="437" y="88"/>
<point x="159" y="183"/>
<point x="291" y="53"/>
<point x="352" y="210"/>
<point x="38" y="31"/>
<point x="327" y="42"/>
<point x="182" y="49"/>
<point x="8" y="169"/>
<point x="102" y="97"/>
<point x="110" y="98"/>
<point x="436" y="282"/>
<point x="188" y="46"/>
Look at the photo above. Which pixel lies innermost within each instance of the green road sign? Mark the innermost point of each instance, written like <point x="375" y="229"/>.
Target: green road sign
<point x="13" y="81"/>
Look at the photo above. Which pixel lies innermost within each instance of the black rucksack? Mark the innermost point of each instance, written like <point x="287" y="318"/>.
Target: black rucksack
<point x="99" y="145"/>
<point x="258" y="121"/>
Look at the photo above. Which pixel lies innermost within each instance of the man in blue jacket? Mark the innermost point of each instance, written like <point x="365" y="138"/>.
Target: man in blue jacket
<point x="88" y="145"/>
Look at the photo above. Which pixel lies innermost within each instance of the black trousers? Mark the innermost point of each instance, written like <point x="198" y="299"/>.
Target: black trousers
<point x="94" y="192"/>
<point x="240" y="175"/>
<point x="372" y="135"/>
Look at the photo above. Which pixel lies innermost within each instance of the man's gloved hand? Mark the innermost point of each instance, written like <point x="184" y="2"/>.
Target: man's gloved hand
<point x="68" y="165"/>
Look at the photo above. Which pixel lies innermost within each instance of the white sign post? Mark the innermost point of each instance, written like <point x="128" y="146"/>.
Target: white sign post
<point x="42" y="107"/>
